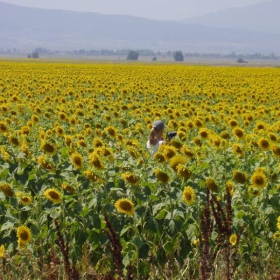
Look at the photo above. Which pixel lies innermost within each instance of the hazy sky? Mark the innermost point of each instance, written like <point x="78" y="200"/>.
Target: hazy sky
<point x="154" y="9"/>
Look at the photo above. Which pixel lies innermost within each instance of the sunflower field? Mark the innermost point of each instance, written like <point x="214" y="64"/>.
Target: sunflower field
<point x="81" y="197"/>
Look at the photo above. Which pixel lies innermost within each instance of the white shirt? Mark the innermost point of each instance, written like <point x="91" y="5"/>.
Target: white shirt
<point x="155" y="146"/>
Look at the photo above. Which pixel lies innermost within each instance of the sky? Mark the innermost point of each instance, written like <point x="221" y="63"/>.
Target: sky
<point x="153" y="9"/>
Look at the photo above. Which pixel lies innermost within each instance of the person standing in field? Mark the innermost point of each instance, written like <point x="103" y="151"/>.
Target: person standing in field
<point x="156" y="135"/>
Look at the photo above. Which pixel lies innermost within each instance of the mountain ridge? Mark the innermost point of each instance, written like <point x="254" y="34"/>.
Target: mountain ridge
<point x="24" y="27"/>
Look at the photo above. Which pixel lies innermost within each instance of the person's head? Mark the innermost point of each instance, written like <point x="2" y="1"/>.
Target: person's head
<point x="158" y="125"/>
<point x="156" y="133"/>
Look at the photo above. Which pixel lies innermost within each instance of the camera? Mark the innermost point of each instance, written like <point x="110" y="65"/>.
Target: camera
<point x="170" y="135"/>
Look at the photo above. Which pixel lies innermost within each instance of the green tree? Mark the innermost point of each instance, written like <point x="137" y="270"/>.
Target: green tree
<point x="35" y="55"/>
<point x="178" y="56"/>
<point x="132" y="55"/>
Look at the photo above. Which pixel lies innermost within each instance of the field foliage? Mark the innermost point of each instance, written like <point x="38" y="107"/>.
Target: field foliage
<point x="81" y="197"/>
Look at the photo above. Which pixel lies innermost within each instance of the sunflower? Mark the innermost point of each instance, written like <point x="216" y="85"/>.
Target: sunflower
<point x="43" y="161"/>
<point x="276" y="151"/>
<point x="238" y="132"/>
<point x="233" y="239"/>
<point x="190" y="125"/>
<point x="211" y="185"/>
<point x="34" y="119"/>
<point x="198" y="122"/>
<point x="62" y="116"/>
<point x="53" y="195"/>
<point x="111" y="131"/>
<point x="233" y="123"/>
<point x="239" y="176"/>
<point x="264" y="144"/>
<point x="24" y="235"/>
<point x="77" y="160"/>
<point x="176" y="160"/>
<point x="92" y="176"/>
<point x="130" y="178"/>
<point x="81" y="143"/>
<point x="159" y="157"/>
<point x="48" y="148"/>
<point x="254" y="191"/>
<point x="6" y="189"/>
<point x="203" y="133"/>
<point x="169" y="152"/>
<point x="261" y="125"/>
<point x="65" y="186"/>
<point x="176" y="144"/>
<point x="259" y="179"/>
<point x="125" y="206"/>
<point x="276" y="235"/>
<point x="237" y="149"/>
<point x="96" y="161"/>
<point x="189" y="195"/>
<point x="225" y="135"/>
<point x="197" y="141"/>
<point x="132" y="152"/>
<point x="278" y="222"/>
<point x="187" y="152"/>
<point x="161" y="176"/>
<point x="2" y="251"/>
<point x="3" y="127"/>
<point x="273" y="137"/>
<point x="230" y="187"/>
<point x="215" y="141"/>
<point x="14" y="140"/>
<point x="107" y="152"/>
<point x="183" y="171"/>
<point x="26" y="200"/>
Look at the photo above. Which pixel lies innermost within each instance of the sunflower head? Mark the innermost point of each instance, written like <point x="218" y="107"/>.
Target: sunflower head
<point x="6" y="189"/>
<point x="161" y="175"/>
<point x="187" y="152"/>
<point x="24" y="236"/>
<point x="203" y="133"/>
<point x="175" y="143"/>
<point x="77" y="160"/>
<point x="53" y="195"/>
<point x="276" y="151"/>
<point x="237" y="149"/>
<point x="159" y="157"/>
<point x="96" y="161"/>
<point x="92" y="176"/>
<point x="25" y="199"/>
<point x="176" y="160"/>
<point x="3" y="127"/>
<point x="238" y="132"/>
<point x="233" y="239"/>
<point x="189" y="195"/>
<point x="169" y="152"/>
<point x="239" y="176"/>
<point x="276" y="236"/>
<point x="48" y="148"/>
<point x="2" y="251"/>
<point x="14" y="140"/>
<point x="253" y="191"/>
<point x="183" y="171"/>
<point x="259" y="179"/>
<point x="264" y="144"/>
<point x="211" y="185"/>
<point x="230" y="187"/>
<point x="125" y="206"/>
<point x="130" y="178"/>
<point x="65" y="186"/>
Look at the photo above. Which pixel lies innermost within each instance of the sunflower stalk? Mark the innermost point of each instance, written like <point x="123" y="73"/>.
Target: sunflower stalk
<point x="71" y="271"/>
<point x="115" y="248"/>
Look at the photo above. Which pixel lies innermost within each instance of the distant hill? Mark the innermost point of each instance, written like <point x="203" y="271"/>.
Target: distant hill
<point x="262" y="17"/>
<point x="22" y="27"/>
